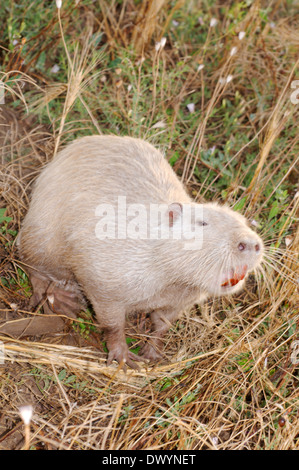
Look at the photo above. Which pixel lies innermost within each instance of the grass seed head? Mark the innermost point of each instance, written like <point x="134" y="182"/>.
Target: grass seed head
<point x="26" y="413"/>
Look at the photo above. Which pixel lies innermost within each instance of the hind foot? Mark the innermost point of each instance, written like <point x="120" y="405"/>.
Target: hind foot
<point x="63" y="298"/>
<point x="64" y="302"/>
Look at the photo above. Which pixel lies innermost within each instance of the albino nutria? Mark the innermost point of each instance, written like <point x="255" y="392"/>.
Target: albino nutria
<point x="81" y="235"/>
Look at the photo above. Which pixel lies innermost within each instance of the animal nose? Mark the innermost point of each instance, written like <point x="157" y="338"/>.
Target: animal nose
<point x="247" y="246"/>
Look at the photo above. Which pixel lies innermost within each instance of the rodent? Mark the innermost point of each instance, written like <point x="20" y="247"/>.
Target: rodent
<point x="68" y="259"/>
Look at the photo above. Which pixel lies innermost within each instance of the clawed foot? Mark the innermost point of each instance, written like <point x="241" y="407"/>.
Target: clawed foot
<point x="125" y="357"/>
<point x="147" y="354"/>
<point x="118" y="351"/>
<point x="151" y="353"/>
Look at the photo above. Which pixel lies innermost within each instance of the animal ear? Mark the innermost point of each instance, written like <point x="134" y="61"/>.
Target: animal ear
<point x="174" y="212"/>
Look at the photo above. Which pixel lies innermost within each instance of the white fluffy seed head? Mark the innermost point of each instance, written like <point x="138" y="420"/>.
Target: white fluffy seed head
<point x="26" y="413"/>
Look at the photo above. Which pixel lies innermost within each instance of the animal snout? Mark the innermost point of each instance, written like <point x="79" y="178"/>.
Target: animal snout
<point x="249" y="245"/>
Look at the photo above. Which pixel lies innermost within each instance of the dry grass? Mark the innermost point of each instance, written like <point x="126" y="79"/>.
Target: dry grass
<point x="231" y="378"/>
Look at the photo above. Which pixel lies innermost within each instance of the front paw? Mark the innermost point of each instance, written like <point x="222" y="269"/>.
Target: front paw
<point x="125" y="357"/>
<point x="150" y="352"/>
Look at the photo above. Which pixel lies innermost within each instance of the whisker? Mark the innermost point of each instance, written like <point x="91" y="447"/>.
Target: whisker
<point x="266" y="280"/>
<point x="280" y="263"/>
<point x="284" y="275"/>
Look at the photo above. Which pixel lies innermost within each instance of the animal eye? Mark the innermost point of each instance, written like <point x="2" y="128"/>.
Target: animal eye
<point x="202" y="223"/>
